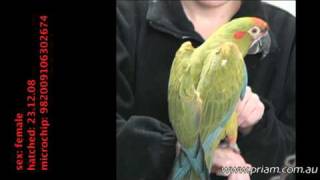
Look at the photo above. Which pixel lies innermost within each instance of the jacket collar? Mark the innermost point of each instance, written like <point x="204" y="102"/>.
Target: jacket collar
<point x="169" y="17"/>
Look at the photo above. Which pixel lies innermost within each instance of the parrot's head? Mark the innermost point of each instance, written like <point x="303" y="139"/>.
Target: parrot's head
<point x="249" y="33"/>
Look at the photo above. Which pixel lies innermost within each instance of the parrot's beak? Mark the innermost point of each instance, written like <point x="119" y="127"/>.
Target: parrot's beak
<point x="262" y="44"/>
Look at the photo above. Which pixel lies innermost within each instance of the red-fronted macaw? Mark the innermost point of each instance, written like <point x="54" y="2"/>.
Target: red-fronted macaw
<point x="204" y="87"/>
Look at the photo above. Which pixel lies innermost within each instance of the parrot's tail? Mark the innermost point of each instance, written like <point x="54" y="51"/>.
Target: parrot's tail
<point x="190" y="164"/>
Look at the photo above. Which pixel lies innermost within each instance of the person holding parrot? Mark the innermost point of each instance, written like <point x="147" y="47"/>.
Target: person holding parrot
<point x="149" y="38"/>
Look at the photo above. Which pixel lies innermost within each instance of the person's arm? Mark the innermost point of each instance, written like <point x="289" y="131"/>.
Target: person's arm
<point x="272" y="138"/>
<point x="145" y="146"/>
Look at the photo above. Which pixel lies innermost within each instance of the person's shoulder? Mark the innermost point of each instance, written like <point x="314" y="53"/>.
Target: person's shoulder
<point x="132" y="8"/>
<point x="278" y="16"/>
<point x="282" y="25"/>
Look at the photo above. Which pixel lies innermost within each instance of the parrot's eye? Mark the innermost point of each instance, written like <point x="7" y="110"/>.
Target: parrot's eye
<point x="254" y="30"/>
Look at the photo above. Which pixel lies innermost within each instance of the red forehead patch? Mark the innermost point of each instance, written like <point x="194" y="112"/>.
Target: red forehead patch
<point x="260" y="23"/>
<point x="239" y="34"/>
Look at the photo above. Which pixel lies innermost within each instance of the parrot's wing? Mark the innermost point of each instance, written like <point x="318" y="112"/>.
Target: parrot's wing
<point x="245" y="83"/>
<point x="185" y="111"/>
<point x="182" y="99"/>
<point x="219" y="87"/>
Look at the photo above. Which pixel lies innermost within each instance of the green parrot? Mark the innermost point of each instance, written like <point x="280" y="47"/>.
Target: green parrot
<point x="205" y="85"/>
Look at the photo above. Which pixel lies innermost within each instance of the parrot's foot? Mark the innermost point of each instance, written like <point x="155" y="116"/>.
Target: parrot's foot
<point x="234" y="147"/>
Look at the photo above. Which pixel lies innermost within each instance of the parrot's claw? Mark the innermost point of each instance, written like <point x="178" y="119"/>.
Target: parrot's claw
<point x="235" y="148"/>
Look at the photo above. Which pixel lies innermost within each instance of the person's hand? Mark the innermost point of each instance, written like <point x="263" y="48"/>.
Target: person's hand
<point x="226" y="157"/>
<point x="239" y="176"/>
<point x="250" y="110"/>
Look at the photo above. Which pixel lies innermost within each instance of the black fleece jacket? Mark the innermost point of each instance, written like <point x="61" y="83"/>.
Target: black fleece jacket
<point x="148" y="35"/>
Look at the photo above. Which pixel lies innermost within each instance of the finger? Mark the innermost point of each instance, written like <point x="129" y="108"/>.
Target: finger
<point x="239" y="176"/>
<point x="218" y="156"/>
<point x="252" y="119"/>
<point x="255" y="115"/>
<point x="223" y="158"/>
<point x="245" y="99"/>
<point x="248" y="91"/>
<point x="251" y="103"/>
<point x="239" y="107"/>
<point x="249" y="107"/>
<point x="244" y="172"/>
<point x="239" y="120"/>
<point x="226" y="158"/>
<point x="236" y="170"/>
<point x="238" y="159"/>
<point x="233" y="159"/>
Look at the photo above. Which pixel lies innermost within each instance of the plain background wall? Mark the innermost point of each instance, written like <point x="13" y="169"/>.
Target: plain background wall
<point x="288" y="5"/>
